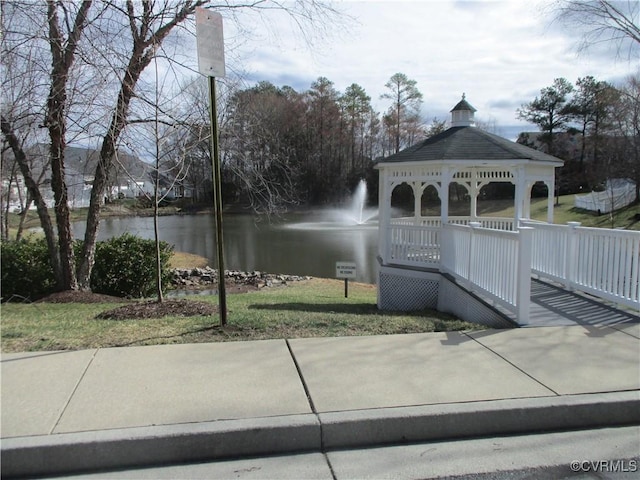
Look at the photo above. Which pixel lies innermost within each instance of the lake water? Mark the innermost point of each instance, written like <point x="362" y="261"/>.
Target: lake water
<point x="296" y="244"/>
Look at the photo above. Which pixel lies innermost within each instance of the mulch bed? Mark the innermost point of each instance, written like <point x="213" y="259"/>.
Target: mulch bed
<point x="148" y="309"/>
<point x="74" y="296"/>
<point x="135" y="309"/>
<point x="154" y="309"/>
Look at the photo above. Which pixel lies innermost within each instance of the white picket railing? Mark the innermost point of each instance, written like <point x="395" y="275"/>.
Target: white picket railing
<point x="599" y="261"/>
<point x="414" y="246"/>
<point x="497" y="223"/>
<point x="495" y="263"/>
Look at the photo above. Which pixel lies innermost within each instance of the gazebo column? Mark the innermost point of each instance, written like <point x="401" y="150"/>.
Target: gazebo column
<point x="526" y="212"/>
<point x="443" y="192"/>
<point x="519" y="196"/>
<point x="384" y="214"/>
<point x="475" y="186"/>
<point x="417" y="202"/>
<point x="550" y="194"/>
<point x="474" y="204"/>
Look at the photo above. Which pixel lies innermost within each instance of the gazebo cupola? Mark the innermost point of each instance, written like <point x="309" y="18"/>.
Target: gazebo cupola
<point x="462" y="114"/>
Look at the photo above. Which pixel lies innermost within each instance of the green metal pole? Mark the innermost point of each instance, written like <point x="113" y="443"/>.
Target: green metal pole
<point x="217" y="199"/>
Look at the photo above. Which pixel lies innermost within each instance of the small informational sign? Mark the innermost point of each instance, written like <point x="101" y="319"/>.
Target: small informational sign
<point x="210" y="43"/>
<point x="345" y="270"/>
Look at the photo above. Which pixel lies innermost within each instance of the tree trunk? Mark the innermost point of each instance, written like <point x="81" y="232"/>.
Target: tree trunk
<point x="34" y="191"/>
<point x="59" y="186"/>
<point x="93" y="215"/>
<point x="156" y="230"/>
<point x="62" y="53"/>
<point x="23" y="217"/>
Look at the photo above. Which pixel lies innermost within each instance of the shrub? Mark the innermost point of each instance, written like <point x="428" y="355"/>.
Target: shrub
<point x="125" y="266"/>
<point x="26" y="270"/>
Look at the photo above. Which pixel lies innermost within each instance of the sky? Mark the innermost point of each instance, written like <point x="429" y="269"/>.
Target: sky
<point x="499" y="53"/>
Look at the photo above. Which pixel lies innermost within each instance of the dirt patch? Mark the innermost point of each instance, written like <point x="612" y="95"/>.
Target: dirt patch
<point x="148" y="309"/>
<point x="153" y="309"/>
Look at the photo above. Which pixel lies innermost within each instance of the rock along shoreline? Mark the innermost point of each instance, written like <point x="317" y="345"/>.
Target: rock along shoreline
<point x="196" y="278"/>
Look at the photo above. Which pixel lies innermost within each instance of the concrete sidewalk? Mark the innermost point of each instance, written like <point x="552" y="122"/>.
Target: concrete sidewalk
<point x="136" y="406"/>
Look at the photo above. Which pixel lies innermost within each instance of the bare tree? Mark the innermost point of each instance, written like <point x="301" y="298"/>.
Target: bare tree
<point x="85" y="71"/>
<point x="258" y="150"/>
<point x="603" y="21"/>
<point x="627" y="127"/>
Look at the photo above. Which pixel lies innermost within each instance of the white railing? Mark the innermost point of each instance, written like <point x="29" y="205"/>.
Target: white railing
<point x="413" y="246"/>
<point x="419" y="245"/>
<point x="497" y="223"/>
<point x="499" y="263"/>
<point x="495" y="263"/>
<point x="599" y="261"/>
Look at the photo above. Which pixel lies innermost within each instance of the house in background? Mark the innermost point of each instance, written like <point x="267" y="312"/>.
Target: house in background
<point x="129" y="178"/>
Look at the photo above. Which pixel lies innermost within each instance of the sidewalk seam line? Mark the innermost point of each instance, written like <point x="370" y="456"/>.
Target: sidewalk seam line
<point x="512" y="364"/>
<point x="75" y="388"/>
<point x="326" y="459"/>
<point x="300" y="376"/>
<point x="312" y="406"/>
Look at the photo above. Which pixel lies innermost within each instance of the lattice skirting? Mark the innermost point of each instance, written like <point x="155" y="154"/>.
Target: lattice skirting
<point x="407" y="290"/>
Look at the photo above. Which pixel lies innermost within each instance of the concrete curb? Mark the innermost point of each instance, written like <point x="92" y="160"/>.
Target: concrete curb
<point x="133" y="447"/>
<point x="143" y="446"/>
<point x="464" y="420"/>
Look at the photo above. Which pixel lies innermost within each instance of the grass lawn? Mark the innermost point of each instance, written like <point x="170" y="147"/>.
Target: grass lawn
<point x="565" y="212"/>
<point x="313" y="308"/>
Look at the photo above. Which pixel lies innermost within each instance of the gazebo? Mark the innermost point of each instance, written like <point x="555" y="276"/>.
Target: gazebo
<point x="409" y="245"/>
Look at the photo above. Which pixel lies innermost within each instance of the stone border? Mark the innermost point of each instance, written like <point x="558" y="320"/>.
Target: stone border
<point x="195" y="278"/>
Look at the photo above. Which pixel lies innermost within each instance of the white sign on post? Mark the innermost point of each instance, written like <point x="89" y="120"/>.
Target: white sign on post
<point x="345" y="270"/>
<point x="210" y="43"/>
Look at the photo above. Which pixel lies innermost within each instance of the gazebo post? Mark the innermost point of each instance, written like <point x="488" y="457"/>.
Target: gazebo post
<point x="519" y="197"/>
<point x="384" y="216"/>
<point x="474" y="192"/>
<point x="444" y="195"/>
<point x="417" y="202"/>
<point x="526" y="212"/>
<point x="550" y="193"/>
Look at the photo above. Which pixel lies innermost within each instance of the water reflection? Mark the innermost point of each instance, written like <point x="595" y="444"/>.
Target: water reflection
<point x="298" y="244"/>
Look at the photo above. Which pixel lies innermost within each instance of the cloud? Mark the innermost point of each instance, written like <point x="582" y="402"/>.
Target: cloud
<point x="499" y="53"/>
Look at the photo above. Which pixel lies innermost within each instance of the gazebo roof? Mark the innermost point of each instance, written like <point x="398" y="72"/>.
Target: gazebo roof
<point x="468" y="143"/>
<point x="463" y="105"/>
